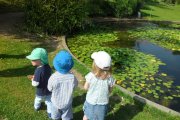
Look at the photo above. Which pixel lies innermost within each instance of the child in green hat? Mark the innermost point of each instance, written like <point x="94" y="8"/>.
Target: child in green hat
<point x="39" y="58"/>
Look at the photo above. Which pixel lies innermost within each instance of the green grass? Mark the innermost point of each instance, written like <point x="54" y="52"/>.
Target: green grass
<point x="17" y="94"/>
<point x="155" y="11"/>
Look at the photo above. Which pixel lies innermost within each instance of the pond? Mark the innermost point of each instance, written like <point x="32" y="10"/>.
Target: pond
<point x="169" y="57"/>
<point x="141" y="65"/>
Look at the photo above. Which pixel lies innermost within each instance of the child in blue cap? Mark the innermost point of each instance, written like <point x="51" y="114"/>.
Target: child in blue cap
<point x="39" y="58"/>
<point x="62" y="84"/>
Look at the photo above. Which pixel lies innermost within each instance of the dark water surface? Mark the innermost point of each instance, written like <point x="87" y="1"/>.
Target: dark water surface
<point x="170" y="58"/>
<point x="172" y="61"/>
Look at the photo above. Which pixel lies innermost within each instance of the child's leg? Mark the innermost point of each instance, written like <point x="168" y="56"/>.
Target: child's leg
<point x="85" y="118"/>
<point x="101" y="111"/>
<point x="48" y="104"/>
<point x="37" y="102"/>
<point x="88" y="111"/>
<point x="55" y="114"/>
<point x="67" y="114"/>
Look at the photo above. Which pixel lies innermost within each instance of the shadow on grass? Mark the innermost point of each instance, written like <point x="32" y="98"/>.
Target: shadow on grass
<point x="126" y="111"/>
<point x="79" y="101"/>
<point x="117" y="110"/>
<point x="12" y="24"/>
<point x="43" y="106"/>
<point x="78" y="115"/>
<point x="5" y="56"/>
<point x="16" y="72"/>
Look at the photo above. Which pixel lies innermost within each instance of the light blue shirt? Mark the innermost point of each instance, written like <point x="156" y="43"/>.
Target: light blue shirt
<point x="62" y="86"/>
<point x="98" y="92"/>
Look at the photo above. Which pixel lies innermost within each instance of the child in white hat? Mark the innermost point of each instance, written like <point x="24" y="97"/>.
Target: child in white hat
<point x="98" y="83"/>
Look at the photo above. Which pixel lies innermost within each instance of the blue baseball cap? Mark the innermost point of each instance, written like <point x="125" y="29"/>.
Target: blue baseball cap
<point x="63" y="62"/>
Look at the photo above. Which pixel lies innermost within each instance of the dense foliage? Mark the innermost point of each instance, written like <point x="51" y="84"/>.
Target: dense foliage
<point x="55" y="16"/>
<point x="118" y="8"/>
<point x="123" y="8"/>
<point x="59" y="16"/>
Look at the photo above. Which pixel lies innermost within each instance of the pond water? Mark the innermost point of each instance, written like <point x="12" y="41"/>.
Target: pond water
<point x="172" y="67"/>
<point x="170" y="58"/>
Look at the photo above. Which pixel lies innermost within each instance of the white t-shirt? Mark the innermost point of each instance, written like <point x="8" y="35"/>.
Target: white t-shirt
<point x="98" y="92"/>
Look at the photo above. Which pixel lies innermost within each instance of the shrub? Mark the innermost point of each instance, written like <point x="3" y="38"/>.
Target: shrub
<point x="55" y="16"/>
<point x="124" y="8"/>
<point x="118" y="8"/>
<point x="99" y="8"/>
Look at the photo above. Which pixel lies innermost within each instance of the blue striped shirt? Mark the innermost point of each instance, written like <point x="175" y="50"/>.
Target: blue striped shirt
<point x="62" y="86"/>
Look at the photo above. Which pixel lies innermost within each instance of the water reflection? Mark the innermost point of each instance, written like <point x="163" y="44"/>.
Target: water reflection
<point x="171" y="59"/>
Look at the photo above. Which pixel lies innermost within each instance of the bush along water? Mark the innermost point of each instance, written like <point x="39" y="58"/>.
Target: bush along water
<point x="118" y="8"/>
<point x="133" y="70"/>
<point x="55" y="16"/>
<point x="68" y="16"/>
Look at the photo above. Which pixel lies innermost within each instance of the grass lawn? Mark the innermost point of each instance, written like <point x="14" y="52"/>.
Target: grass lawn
<point x="17" y="94"/>
<point x="155" y="11"/>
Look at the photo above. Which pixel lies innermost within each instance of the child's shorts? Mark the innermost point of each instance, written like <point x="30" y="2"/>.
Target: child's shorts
<point x="95" y="112"/>
<point x="64" y="114"/>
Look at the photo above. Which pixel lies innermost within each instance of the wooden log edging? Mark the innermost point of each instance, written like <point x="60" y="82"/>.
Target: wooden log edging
<point x="134" y="96"/>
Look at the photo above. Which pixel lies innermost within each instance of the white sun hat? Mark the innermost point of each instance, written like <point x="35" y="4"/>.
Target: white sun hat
<point x="102" y="59"/>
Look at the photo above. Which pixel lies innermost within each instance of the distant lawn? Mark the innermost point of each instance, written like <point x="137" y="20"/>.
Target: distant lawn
<point x="161" y="11"/>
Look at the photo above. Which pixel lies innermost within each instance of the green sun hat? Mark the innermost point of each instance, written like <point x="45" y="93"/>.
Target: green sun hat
<point x="39" y="54"/>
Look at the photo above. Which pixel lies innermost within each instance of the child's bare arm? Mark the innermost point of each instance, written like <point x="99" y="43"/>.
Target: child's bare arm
<point x="86" y="86"/>
<point x="30" y="77"/>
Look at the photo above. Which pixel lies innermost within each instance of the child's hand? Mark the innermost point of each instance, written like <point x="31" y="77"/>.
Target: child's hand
<point x="30" y="77"/>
